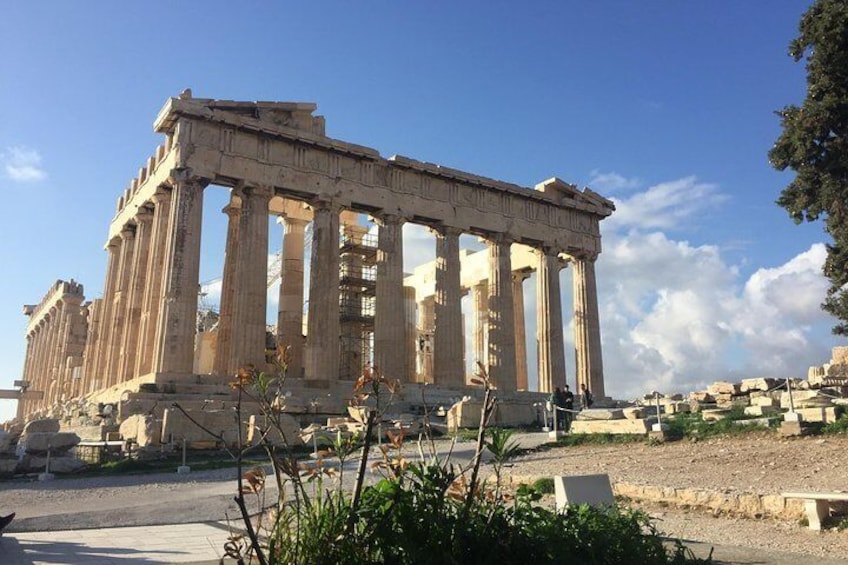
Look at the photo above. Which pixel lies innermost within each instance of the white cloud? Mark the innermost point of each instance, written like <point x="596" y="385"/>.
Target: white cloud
<point x="23" y="164"/>
<point x="611" y="182"/>
<point x="666" y="205"/>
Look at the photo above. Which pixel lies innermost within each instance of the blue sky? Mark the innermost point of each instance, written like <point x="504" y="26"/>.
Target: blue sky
<point x="665" y="106"/>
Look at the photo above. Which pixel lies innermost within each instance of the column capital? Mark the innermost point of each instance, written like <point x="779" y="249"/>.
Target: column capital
<point x="584" y="255"/>
<point x="231" y="210"/>
<point x="325" y="203"/>
<point x="445" y="230"/>
<point x="243" y="190"/>
<point x="184" y="175"/>
<point x="383" y="219"/>
<point x="128" y="232"/>
<point x="144" y="215"/>
<point x="521" y="275"/>
<point x="501" y="238"/>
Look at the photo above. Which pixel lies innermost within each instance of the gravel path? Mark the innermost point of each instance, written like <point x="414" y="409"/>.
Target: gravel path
<point x="758" y="464"/>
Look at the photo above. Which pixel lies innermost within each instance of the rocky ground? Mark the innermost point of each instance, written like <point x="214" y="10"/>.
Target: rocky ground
<point x="755" y="463"/>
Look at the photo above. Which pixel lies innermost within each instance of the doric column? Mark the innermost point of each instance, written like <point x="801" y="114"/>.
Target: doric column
<point x="549" y="321"/>
<point x="290" y="312"/>
<point x="95" y="310"/>
<point x="426" y="321"/>
<point x="388" y="309"/>
<point x="152" y="301"/>
<point x="223" y="345"/>
<point x="448" y="366"/>
<point x="410" y="333"/>
<point x="480" y="327"/>
<point x="34" y="375"/>
<point x="518" y="278"/>
<point x="587" y="329"/>
<point x="135" y="296"/>
<point x="177" y="326"/>
<point x="119" y="303"/>
<point x="98" y="372"/>
<point x="322" y="339"/>
<point x="501" y="314"/>
<point x="251" y="297"/>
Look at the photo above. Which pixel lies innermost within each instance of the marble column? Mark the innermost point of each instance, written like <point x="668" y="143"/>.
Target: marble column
<point x="389" y="320"/>
<point x="322" y="339"/>
<point x="518" y="278"/>
<point x="426" y="322"/>
<point x="480" y="326"/>
<point x="549" y="321"/>
<point x="501" y="314"/>
<point x="250" y="302"/>
<point x="290" y="312"/>
<point x="177" y="326"/>
<point x="448" y="366"/>
<point x="98" y="372"/>
<point x="410" y="333"/>
<point x="119" y="313"/>
<point x="135" y="296"/>
<point x="587" y="330"/>
<point x="223" y="345"/>
<point x="94" y="315"/>
<point x="152" y="300"/>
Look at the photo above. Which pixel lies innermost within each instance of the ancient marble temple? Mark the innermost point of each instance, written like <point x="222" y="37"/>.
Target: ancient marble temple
<point x="275" y="159"/>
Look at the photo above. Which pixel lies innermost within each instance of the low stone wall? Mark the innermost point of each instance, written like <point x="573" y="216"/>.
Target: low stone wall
<point x="744" y="504"/>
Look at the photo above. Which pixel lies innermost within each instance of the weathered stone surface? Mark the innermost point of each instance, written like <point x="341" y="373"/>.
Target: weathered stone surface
<point x="622" y="426"/>
<point x="632" y="413"/>
<point x="37" y="443"/>
<point x="824" y="415"/>
<point x="678" y="408"/>
<point x="764" y="401"/>
<point x="723" y="387"/>
<point x="761" y="384"/>
<point x="601" y="414"/>
<point x="59" y="465"/>
<point x="42" y="426"/>
<point x="594" y="490"/>
<point x="466" y="414"/>
<point x="714" y="415"/>
<point x="8" y="466"/>
<point x="804" y="399"/>
<point x="144" y="429"/>
<point x="282" y="430"/>
<point x="702" y="396"/>
<point x="760" y="410"/>
<point x="176" y="427"/>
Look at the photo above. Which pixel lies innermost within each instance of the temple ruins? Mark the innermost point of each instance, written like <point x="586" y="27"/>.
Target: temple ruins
<point x="142" y="340"/>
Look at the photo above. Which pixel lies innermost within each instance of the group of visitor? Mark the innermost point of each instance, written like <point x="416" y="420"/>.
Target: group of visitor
<point x="562" y="402"/>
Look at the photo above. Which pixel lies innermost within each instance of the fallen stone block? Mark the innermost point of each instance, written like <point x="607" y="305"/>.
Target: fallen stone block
<point x="594" y="490"/>
<point x="632" y="413"/>
<point x="282" y="429"/>
<point x="48" y="425"/>
<point x="622" y="426"/>
<point x="760" y="410"/>
<point x="37" y="443"/>
<point x="714" y="415"/>
<point x="601" y="414"/>
<point x="724" y="387"/>
<point x="825" y="415"/>
<point x="143" y="429"/>
<point x="764" y="401"/>
<point x="760" y="384"/>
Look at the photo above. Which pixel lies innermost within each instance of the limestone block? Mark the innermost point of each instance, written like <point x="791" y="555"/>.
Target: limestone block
<point x="334" y="422"/>
<point x="6" y="442"/>
<point x="696" y="406"/>
<point x="804" y="399"/>
<point x="714" y="415"/>
<point x="724" y="387"/>
<point x="825" y="415"/>
<point x="764" y="401"/>
<point x="601" y="414"/>
<point x="839" y="354"/>
<point x="678" y="408"/>
<point x="60" y="465"/>
<point x="283" y="430"/>
<point x="8" y="466"/>
<point x="177" y="427"/>
<point x="466" y="414"/>
<point x="144" y="429"/>
<point x="622" y="426"/>
<point x="37" y="443"/>
<point x="760" y="410"/>
<point x="702" y="397"/>
<point x="42" y="426"/>
<point x="632" y="413"/>
<point x="594" y="490"/>
<point x="763" y="384"/>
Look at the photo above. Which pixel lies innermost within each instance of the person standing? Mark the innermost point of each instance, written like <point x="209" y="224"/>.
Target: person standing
<point x="568" y="404"/>
<point x="558" y="403"/>
<point x="586" y="394"/>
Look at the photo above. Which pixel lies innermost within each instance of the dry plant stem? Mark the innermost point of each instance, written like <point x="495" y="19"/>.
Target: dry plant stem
<point x="360" y="472"/>
<point x="485" y="412"/>
<point x="239" y="498"/>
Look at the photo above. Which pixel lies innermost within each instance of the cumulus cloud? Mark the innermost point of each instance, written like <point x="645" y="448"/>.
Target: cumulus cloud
<point x="23" y="164"/>
<point x="666" y="205"/>
<point x="611" y="182"/>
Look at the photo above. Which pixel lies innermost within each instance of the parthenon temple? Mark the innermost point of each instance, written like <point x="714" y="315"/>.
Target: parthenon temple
<point x="345" y="301"/>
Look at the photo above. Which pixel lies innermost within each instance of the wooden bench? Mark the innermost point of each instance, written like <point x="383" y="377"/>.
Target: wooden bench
<point x="817" y="504"/>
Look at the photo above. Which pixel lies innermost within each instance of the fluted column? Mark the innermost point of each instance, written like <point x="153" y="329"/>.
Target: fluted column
<point x="549" y="321"/>
<point x="322" y="340"/>
<point x="410" y="333"/>
<point x="177" y="325"/>
<point x="480" y="327"/>
<point x="95" y="310"/>
<point x="251" y="298"/>
<point x="426" y="321"/>
<point x="57" y="330"/>
<point x="98" y="372"/>
<point x="389" y="319"/>
<point x="135" y="295"/>
<point x="223" y="345"/>
<point x="448" y="366"/>
<point x="152" y="301"/>
<point x="587" y="329"/>
<point x="119" y="310"/>
<point x="501" y="314"/>
<point x="518" y="278"/>
<point x="290" y="313"/>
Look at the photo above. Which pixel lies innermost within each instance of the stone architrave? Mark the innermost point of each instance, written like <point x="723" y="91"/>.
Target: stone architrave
<point x="290" y="313"/>
<point x="223" y="351"/>
<point x="152" y="301"/>
<point x="518" y="278"/>
<point x="549" y="321"/>
<point x="587" y="330"/>
<point x="389" y="319"/>
<point x="250" y="301"/>
<point x="448" y="366"/>
<point x="323" y="325"/>
<point x="178" y="320"/>
<point x="501" y="314"/>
